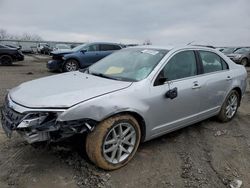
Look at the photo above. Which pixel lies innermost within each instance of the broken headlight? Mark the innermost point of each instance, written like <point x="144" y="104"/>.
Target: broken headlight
<point x="36" y="119"/>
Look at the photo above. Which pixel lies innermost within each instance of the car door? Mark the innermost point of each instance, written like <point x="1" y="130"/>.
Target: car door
<point x="169" y="114"/>
<point x="215" y="82"/>
<point x="90" y="55"/>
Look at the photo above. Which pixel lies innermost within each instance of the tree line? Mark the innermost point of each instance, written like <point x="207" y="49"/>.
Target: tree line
<point x="5" y="35"/>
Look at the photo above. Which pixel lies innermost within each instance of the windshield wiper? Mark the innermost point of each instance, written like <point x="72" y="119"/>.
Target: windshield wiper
<point x="102" y="75"/>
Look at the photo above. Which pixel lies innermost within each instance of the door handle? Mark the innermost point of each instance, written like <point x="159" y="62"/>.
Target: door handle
<point x="196" y="85"/>
<point x="229" y="78"/>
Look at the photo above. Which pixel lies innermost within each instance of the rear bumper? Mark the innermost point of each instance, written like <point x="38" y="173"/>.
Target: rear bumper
<point x="54" y="65"/>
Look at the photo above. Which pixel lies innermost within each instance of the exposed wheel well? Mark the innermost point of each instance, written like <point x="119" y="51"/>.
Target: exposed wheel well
<point x="239" y="91"/>
<point x="139" y="119"/>
<point x="72" y="59"/>
<point x="246" y="60"/>
<point x="6" y="55"/>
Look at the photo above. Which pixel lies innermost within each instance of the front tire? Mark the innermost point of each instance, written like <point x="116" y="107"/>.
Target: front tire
<point x="229" y="107"/>
<point x="70" y="65"/>
<point x="113" y="143"/>
<point x="6" y="60"/>
<point x="244" y="62"/>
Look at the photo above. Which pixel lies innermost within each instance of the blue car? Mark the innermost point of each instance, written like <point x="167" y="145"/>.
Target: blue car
<point x="81" y="56"/>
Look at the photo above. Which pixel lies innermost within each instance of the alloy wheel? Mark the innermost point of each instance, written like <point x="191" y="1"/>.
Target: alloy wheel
<point x="232" y="105"/>
<point x="119" y="143"/>
<point x="71" y="65"/>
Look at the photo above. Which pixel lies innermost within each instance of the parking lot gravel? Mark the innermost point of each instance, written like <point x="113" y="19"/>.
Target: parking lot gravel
<point x="206" y="154"/>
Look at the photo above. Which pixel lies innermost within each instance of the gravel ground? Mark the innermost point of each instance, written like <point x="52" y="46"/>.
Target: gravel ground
<point x="206" y="154"/>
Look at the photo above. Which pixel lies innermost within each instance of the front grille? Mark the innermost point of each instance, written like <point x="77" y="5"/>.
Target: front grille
<point x="11" y="117"/>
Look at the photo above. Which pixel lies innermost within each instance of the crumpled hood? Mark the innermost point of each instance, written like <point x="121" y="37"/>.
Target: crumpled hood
<point x="64" y="90"/>
<point x="62" y="52"/>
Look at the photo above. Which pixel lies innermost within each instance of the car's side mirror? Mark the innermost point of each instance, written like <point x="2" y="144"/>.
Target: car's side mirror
<point x="172" y="93"/>
<point x="83" y="51"/>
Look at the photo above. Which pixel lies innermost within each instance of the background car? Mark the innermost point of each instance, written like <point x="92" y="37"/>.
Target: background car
<point x="46" y="49"/>
<point x="229" y="50"/>
<point x="9" y="55"/>
<point x="241" y="56"/>
<point x="61" y="48"/>
<point x="81" y="56"/>
<point x="40" y="46"/>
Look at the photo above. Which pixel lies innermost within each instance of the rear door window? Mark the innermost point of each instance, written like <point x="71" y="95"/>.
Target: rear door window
<point x="212" y="62"/>
<point x="109" y="47"/>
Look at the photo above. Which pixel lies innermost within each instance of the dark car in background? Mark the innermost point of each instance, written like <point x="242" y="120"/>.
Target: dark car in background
<point x="9" y="55"/>
<point x="241" y="56"/>
<point x="46" y="49"/>
<point x="81" y="56"/>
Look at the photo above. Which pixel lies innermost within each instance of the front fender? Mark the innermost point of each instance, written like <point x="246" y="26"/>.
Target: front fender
<point x="72" y="56"/>
<point x="103" y="107"/>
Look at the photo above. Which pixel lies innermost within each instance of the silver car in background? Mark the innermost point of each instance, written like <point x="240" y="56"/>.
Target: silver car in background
<point x="129" y="97"/>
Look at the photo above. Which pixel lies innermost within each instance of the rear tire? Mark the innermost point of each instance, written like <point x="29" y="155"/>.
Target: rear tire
<point x="113" y="143"/>
<point x="70" y="65"/>
<point x="6" y="60"/>
<point x="229" y="107"/>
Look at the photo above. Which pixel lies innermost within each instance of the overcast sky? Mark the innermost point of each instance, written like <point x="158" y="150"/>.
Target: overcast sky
<point x="215" y="22"/>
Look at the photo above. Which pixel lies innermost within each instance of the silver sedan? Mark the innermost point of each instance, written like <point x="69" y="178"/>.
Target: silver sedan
<point x="129" y="97"/>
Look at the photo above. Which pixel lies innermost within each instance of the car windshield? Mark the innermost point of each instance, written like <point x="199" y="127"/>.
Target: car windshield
<point x="242" y="50"/>
<point x="228" y="50"/>
<point x="128" y="64"/>
<point x="80" y="47"/>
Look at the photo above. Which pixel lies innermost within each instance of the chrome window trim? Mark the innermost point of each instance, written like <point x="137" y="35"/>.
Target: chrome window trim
<point x="191" y="77"/>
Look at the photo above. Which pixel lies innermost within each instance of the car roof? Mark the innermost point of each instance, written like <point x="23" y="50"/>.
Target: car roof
<point x="177" y="47"/>
<point x="113" y="43"/>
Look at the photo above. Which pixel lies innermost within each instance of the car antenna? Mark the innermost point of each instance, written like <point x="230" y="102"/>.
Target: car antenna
<point x="190" y="42"/>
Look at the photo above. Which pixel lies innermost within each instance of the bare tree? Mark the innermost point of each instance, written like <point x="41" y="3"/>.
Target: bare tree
<point x="25" y="36"/>
<point x="29" y="36"/>
<point x="3" y="34"/>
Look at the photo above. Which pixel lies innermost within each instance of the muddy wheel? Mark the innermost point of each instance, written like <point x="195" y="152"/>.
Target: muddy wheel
<point x="113" y="143"/>
<point x="229" y="107"/>
<point x="6" y="60"/>
<point x="71" y="65"/>
<point x="244" y="62"/>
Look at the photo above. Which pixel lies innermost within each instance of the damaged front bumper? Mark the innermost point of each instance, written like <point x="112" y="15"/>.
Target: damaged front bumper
<point x="38" y="126"/>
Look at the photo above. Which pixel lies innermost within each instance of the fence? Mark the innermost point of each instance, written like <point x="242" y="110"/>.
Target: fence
<point x="31" y="46"/>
